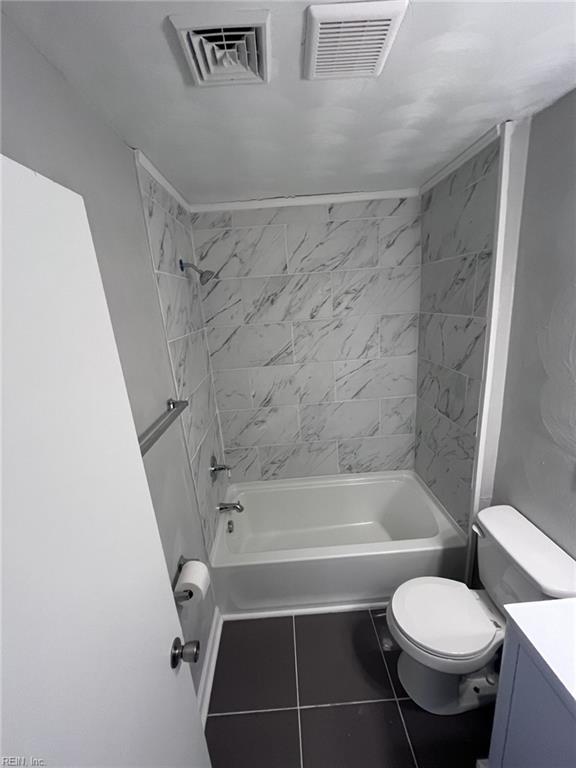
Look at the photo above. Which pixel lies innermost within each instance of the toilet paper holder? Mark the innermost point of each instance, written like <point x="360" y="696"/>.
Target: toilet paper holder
<point x="182" y="595"/>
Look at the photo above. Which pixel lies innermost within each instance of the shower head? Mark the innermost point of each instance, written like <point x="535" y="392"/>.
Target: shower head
<point x="205" y="274"/>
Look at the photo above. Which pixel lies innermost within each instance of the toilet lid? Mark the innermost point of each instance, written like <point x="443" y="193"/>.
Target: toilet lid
<point x="442" y="616"/>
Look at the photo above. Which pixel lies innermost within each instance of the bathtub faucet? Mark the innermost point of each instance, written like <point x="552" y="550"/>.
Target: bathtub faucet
<point x="233" y="506"/>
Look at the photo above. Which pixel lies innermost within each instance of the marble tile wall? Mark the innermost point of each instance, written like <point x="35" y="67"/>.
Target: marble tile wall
<point x="170" y="234"/>
<point x="312" y="329"/>
<point x="458" y="218"/>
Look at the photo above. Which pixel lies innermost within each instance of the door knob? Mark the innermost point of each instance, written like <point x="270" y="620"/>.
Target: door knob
<point x="189" y="652"/>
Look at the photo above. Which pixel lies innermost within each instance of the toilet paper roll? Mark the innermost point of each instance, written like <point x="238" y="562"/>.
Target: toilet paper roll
<point x="195" y="576"/>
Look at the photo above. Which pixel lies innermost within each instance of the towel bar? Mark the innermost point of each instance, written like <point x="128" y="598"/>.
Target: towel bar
<point x="157" y="429"/>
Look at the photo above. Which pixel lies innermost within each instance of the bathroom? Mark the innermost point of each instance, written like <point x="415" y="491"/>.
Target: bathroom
<point x="289" y="416"/>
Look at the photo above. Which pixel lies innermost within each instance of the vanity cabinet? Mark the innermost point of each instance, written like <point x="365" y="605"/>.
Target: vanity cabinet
<point x="535" y="718"/>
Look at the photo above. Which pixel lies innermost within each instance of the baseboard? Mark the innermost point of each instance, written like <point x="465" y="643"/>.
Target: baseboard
<point x="207" y="677"/>
<point x="323" y="608"/>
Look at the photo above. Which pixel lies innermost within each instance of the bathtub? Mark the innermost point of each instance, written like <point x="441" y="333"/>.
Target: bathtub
<point x="317" y="542"/>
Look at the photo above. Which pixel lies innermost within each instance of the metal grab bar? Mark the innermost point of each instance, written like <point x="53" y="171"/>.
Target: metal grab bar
<point x="157" y="429"/>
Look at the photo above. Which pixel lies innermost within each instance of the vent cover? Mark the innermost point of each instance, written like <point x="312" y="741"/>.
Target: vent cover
<point x="350" y="39"/>
<point x="226" y="53"/>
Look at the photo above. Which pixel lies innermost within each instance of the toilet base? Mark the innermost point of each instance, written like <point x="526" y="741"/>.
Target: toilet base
<point x="445" y="694"/>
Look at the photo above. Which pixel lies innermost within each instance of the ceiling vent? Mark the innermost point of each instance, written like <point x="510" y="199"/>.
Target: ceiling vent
<point x="231" y="53"/>
<point x="350" y="39"/>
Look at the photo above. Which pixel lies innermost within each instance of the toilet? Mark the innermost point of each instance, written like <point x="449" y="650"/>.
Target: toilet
<point x="451" y="636"/>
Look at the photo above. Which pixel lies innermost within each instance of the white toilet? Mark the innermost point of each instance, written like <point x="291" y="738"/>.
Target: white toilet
<point x="450" y="635"/>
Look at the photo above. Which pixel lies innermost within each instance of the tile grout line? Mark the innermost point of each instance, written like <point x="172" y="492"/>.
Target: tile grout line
<point x="345" y="703"/>
<point x="305" y="706"/>
<point x="394" y="691"/>
<point x="297" y="691"/>
<point x="252" y="711"/>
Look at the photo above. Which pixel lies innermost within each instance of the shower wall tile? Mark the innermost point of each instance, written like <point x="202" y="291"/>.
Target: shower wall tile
<point x="399" y="245"/>
<point x="241" y="251"/>
<point x="461" y="223"/>
<point x="452" y="490"/>
<point x="445" y="439"/>
<point x="300" y="293"/>
<point x="261" y="426"/>
<point x="435" y="228"/>
<point x="369" y="379"/>
<point x="442" y="388"/>
<point x="469" y="418"/>
<point x="482" y="284"/>
<point x="482" y="164"/>
<point x="398" y="207"/>
<point x="170" y="239"/>
<point x="458" y="214"/>
<point x="291" y="385"/>
<point x="331" y="421"/>
<point x="289" y="214"/>
<point x="398" y="335"/>
<point x="458" y="223"/>
<point x="244" y="464"/>
<point x="455" y="342"/>
<point x="376" y="454"/>
<point x="291" y="297"/>
<point x="190" y="362"/>
<point x="241" y="346"/>
<point x="148" y="184"/>
<point x="200" y="414"/>
<point x="474" y="229"/>
<point x="448" y="286"/>
<point x="180" y="302"/>
<point x="211" y="220"/>
<point x="338" y="245"/>
<point x="398" y="416"/>
<point x="340" y="339"/>
<point x="209" y="492"/>
<point x="222" y="302"/>
<point x="300" y="460"/>
<point x="376" y="291"/>
<point x="233" y="389"/>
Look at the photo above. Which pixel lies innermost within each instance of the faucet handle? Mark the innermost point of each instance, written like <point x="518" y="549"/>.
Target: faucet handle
<point x="215" y="468"/>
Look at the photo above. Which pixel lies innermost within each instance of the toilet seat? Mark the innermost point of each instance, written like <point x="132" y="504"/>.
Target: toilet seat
<point x="444" y="624"/>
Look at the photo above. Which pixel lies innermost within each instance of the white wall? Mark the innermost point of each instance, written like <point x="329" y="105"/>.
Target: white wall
<point x="47" y="127"/>
<point x="536" y="469"/>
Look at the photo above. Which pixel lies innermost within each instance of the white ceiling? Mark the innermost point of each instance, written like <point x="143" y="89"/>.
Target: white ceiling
<point x="455" y="70"/>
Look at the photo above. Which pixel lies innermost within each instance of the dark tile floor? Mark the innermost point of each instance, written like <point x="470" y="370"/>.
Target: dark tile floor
<point x="321" y="691"/>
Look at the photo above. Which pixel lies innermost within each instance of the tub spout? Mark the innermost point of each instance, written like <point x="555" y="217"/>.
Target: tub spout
<point x="233" y="506"/>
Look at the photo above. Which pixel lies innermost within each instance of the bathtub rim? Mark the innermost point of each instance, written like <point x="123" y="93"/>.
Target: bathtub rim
<point x="449" y="534"/>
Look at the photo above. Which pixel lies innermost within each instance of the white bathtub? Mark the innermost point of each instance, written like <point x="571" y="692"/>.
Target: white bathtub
<point x="322" y="541"/>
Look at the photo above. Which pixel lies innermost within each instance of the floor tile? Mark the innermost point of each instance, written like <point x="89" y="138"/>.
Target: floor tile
<point x="354" y="735"/>
<point x="255" y="668"/>
<point x="448" y="741"/>
<point x="391" y="658"/>
<point x="387" y="642"/>
<point x="261" y="740"/>
<point x="390" y="650"/>
<point x="339" y="659"/>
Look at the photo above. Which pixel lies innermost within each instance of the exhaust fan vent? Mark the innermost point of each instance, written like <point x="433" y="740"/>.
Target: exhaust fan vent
<point x="226" y="54"/>
<point x="350" y="39"/>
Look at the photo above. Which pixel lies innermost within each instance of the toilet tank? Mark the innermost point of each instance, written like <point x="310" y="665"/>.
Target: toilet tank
<point x="517" y="562"/>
